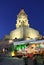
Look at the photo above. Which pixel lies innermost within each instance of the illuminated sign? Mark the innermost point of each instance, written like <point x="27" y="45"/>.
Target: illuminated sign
<point x="19" y="47"/>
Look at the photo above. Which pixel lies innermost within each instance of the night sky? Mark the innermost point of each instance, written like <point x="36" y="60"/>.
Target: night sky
<point x="10" y="8"/>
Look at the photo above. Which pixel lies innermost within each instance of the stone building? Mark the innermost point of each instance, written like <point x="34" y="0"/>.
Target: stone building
<point x="23" y="29"/>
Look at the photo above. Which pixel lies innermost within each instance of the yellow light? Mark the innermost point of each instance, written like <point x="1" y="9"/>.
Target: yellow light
<point x="10" y="41"/>
<point x="12" y="53"/>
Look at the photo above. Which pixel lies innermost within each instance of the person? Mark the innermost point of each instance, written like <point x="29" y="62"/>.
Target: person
<point x="26" y="60"/>
<point x="34" y="60"/>
<point x="43" y="59"/>
<point x="29" y="55"/>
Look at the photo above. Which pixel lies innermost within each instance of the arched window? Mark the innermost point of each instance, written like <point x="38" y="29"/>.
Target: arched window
<point x="19" y="21"/>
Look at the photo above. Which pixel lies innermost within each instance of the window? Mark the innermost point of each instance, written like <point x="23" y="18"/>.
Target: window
<point x="19" y="21"/>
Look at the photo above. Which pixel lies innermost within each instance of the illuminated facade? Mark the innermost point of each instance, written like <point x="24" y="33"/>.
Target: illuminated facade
<point x="23" y="29"/>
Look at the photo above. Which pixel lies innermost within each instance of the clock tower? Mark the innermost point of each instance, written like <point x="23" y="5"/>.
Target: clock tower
<point x="22" y="19"/>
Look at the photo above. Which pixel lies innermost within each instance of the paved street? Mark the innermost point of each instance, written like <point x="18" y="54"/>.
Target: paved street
<point x="15" y="61"/>
<point x="7" y="61"/>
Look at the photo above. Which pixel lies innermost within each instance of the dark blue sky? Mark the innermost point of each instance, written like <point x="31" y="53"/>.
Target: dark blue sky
<point x="10" y="8"/>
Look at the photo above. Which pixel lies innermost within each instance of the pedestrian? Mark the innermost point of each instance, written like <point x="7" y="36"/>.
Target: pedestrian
<point x="26" y="60"/>
<point x="34" y="60"/>
<point x="43" y="59"/>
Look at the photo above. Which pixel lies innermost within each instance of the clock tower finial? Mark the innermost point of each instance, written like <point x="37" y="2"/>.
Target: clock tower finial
<point x="22" y="13"/>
